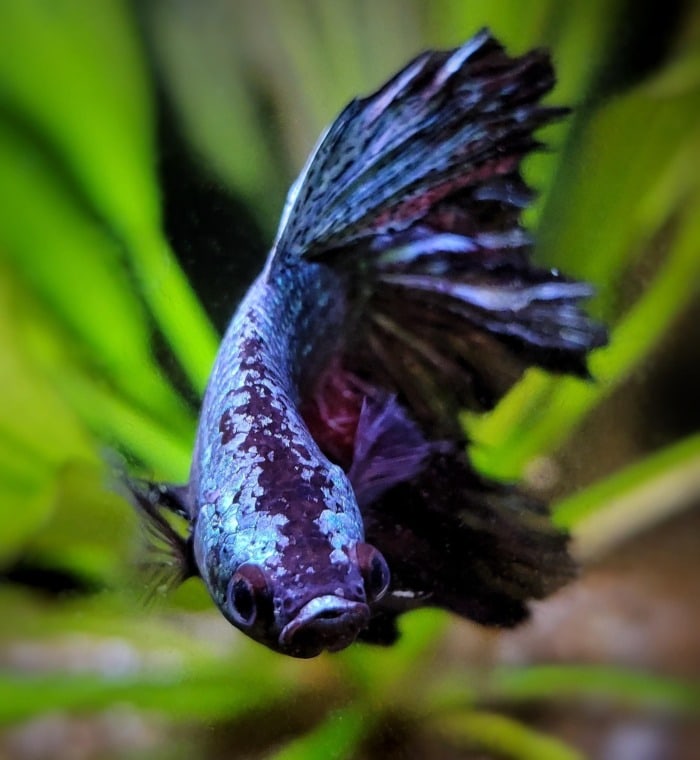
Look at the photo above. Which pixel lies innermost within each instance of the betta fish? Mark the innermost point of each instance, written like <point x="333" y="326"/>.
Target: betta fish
<point x="330" y="488"/>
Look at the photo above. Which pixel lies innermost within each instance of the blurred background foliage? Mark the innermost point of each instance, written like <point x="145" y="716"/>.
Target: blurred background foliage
<point x="145" y="149"/>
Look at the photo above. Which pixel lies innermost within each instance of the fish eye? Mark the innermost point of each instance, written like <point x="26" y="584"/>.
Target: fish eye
<point x="246" y="590"/>
<point x="375" y="571"/>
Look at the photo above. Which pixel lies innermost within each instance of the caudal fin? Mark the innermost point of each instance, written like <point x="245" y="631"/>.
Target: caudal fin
<point x="415" y="193"/>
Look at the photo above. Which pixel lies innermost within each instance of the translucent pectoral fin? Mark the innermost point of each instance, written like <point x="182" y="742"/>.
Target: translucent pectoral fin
<point x="170" y="558"/>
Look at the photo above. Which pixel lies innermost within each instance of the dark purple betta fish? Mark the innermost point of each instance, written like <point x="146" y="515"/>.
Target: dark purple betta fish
<point x="330" y="491"/>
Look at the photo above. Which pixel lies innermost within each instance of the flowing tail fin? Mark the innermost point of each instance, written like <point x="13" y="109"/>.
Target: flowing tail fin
<point x="415" y="193"/>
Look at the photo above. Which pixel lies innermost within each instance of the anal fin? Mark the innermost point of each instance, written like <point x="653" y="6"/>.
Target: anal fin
<point x="457" y="541"/>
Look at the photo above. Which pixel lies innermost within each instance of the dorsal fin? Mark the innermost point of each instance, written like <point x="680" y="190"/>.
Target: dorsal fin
<point x="449" y="120"/>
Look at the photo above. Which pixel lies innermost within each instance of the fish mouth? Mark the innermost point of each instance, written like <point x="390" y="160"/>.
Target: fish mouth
<point x="326" y="622"/>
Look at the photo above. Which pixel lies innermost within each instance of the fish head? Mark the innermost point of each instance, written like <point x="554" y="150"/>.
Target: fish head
<point x="301" y="592"/>
<point x="302" y="602"/>
<point x="286" y="561"/>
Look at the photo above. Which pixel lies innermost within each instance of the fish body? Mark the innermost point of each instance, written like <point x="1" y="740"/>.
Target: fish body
<point x="330" y="490"/>
<point x="263" y="491"/>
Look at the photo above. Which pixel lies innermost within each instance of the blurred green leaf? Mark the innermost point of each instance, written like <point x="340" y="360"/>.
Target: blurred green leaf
<point x="26" y="509"/>
<point x="196" y="695"/>
<point x="633" y="499"/>
<point x="335" y="738"/>
<point x="38" y="434"/>
<point x="503" y="736"/>
<point x="385" y="672"/>
<point x="201" y="62"/>
<point x="97" y="117"/>
<point x="91" y="531"/>
<point x="623" y="687"/>
<point x="34" y="421"/>
<point x="86" y="654"/>
<point x="164" y="454"/>
<point x="616" y="687"/>
<point x="599" y="219"/>
<point x="71" y="262"/>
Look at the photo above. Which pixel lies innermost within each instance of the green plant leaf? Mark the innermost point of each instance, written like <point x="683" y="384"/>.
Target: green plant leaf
<point x="335" y="738"/>
<point x="86" y="654"/>
<point x="39" y="433"/>
<point x="197" y="695"/>
<point x="75" y="73"/>
<point x="72" y="264"/>
<point x="501" y="735"/>
<point x="633" y="499"/>
<point x="91" y="532"/>
<point x="619" y="686"/>
<point x="164" y="455"/>
<point x="200" y="58"/>
<point x="384" y="672"/>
